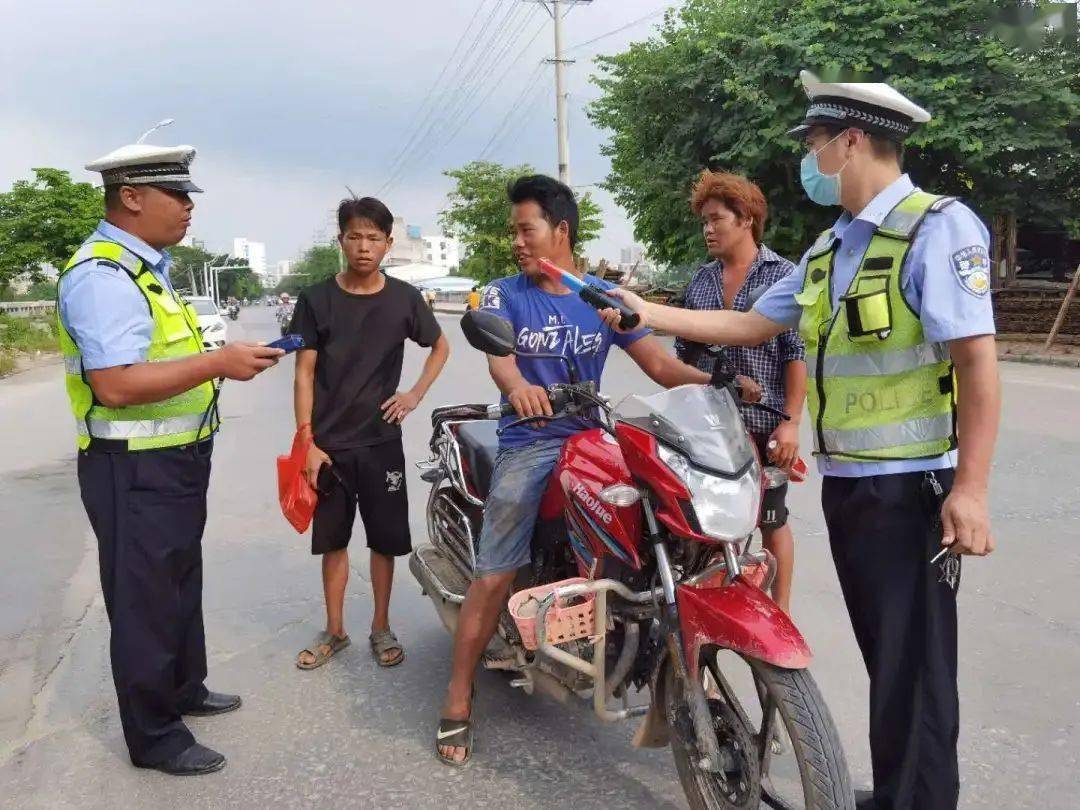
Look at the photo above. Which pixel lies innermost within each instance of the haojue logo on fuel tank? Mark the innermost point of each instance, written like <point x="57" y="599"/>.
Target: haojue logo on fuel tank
<point x="592" y="502"/>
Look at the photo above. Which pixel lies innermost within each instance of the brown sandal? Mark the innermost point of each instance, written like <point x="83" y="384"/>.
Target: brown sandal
<point x="382" y="642"/>
<point x="322" y="649"/>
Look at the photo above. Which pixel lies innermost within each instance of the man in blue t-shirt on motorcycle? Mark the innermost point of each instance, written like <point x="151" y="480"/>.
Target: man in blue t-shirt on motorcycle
<point x="548" y="319"/>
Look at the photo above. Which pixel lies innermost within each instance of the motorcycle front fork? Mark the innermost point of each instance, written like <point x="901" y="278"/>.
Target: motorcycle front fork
<point x="671" y="632"/>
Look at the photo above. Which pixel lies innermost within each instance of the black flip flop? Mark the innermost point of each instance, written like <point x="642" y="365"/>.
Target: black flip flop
<point x="454" y="734"/>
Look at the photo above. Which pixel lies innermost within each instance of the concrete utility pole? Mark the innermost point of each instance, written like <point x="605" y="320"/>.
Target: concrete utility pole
<point x="560" y="96"/>
<point x="557" y="8"/>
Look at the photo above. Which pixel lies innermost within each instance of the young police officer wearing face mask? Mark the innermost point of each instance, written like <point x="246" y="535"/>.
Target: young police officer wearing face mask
<point x="893" y="304"/>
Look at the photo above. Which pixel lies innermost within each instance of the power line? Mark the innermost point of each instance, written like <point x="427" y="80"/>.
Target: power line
<point x="493" y="86"/>
<point x="531" y="104"/>
<point x="522" y="105"/>
<point x="477" y="54"/>
<point x="618" y="30"/>
<point x="467" y="91"/>
<point x="419" y="117"/>
<point x="529" y="83"/>
<point x="470" y="94"/>
<point x="457" y="55"/>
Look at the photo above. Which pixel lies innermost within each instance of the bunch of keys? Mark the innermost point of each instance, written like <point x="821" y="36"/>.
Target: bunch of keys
<point x="938" y="492"/>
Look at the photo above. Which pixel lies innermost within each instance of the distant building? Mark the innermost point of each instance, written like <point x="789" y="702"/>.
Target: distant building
<point x="254" y="252"/>
<point x="448" y="284"/>
<point x="408" y="245"/>
<point x="277" y="273"/>
<point x="633" y="266"/>
<point x="442" y="251"/>
<point x="415" y="272"/>
<point x="192" y="242"/>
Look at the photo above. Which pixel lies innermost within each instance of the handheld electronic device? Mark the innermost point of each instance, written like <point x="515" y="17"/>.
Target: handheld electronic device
<point x="592" y="295"/>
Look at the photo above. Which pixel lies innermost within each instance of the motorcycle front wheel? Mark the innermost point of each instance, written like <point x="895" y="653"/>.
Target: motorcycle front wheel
<point x="779" y="746"/>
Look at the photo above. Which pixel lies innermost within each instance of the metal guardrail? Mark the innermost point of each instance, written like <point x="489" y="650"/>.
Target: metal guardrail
<point x="26" y="307"/>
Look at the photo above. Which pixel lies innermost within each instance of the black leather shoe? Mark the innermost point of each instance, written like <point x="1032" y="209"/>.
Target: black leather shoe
<point x="214" y="703"/>
<point x="197" y="759"/>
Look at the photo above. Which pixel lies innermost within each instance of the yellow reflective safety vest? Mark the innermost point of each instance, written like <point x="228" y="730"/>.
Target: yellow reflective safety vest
<point x="878" y="390"/>
<point x="175" y="422"/>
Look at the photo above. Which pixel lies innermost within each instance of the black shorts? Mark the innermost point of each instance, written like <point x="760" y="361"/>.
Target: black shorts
<point x="371" y="480"/>
<point x="774" y="511"/>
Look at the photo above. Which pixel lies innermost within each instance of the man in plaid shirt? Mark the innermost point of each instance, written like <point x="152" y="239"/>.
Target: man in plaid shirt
<point x="733" y="213"/>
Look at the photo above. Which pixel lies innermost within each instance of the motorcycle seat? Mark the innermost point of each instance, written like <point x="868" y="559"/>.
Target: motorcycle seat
<point x="479" y="444"/>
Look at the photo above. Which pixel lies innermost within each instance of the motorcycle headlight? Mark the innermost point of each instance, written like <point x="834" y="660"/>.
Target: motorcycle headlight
<point x="726" y="508"/>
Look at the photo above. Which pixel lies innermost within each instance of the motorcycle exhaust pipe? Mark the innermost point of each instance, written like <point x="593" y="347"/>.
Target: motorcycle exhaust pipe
<point x="534" y="679"/>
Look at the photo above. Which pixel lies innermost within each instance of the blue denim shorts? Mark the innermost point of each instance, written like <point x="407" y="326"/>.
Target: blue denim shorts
<point x="518" y="483"/>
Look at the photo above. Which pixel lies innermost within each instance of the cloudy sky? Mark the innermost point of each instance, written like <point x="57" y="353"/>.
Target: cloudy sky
<point x="287" y="102"/>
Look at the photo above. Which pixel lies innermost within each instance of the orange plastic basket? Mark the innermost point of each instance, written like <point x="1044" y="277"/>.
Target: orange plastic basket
<point x="567" y="619"/>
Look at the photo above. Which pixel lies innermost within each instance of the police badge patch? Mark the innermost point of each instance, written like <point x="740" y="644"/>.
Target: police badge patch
<point x="972" y="268"/>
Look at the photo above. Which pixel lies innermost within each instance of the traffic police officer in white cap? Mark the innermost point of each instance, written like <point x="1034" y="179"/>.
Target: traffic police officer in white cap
<point x="143" y="398"/>
<point x="893" y="303"/>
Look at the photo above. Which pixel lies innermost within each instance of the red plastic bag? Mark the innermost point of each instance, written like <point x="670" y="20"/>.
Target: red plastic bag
<point x="295" y="494"/>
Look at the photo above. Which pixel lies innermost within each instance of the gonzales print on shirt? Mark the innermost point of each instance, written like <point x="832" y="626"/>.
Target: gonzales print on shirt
<point x="560" y="337"/>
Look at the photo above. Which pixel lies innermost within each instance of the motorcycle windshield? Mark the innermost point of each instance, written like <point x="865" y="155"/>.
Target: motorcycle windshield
<point x="700" y="421"/>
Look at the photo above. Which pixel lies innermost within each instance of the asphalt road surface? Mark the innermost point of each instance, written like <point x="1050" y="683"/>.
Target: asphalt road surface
<point x="351" y="734"/>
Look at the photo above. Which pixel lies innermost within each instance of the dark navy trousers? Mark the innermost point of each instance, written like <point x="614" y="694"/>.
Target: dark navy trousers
<point x="883" y="531"/>
<point x="148" y="510"/>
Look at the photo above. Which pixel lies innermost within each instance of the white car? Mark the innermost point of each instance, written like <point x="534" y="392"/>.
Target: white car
<point x="210" y="321"/>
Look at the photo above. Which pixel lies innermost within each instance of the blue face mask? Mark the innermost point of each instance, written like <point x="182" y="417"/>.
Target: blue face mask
<point x="824" y="189"/>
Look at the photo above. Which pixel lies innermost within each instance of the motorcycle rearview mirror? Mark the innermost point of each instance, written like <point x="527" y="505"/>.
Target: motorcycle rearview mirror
<point x="488" y="333"/>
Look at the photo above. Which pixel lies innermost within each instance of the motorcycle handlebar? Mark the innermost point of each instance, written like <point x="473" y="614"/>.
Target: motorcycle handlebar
<point x="726" y="378"/>
<point x="559" y="399"/>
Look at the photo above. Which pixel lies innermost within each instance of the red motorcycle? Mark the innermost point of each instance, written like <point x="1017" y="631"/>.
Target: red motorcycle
<point x="642" y="576"/>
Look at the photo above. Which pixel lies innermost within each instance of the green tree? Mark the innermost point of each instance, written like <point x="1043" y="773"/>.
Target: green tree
<point x="318" y="263"/>
<point x="44" y="290"/>
<point x="238" y="280"/>
<point x="235" y="277"/>
<point x="478" y="214"/>
<point x="717" y="87"/>
<point x="43" y="221"/>
<point x="187" y="263"/>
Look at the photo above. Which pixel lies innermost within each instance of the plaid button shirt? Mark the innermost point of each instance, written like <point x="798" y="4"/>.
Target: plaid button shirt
<point x="764" y="363"/>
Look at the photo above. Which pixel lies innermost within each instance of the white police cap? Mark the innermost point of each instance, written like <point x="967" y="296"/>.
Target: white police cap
<point x="141" y="164"/>
<point x="873" y="107"/>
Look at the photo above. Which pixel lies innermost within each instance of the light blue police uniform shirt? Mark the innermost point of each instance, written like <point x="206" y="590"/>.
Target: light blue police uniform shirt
<point x="105" y="313"/>
<point x="934" y="283"/>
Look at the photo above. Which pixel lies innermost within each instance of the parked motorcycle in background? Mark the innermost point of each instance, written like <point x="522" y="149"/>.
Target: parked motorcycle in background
<point x="642" y="575"/>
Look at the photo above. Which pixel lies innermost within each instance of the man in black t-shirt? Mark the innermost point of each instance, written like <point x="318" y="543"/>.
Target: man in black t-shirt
<point x="354" y="327"/>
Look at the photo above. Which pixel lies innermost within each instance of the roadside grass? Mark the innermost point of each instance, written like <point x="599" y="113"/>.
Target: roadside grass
<point x="20" y="336"/>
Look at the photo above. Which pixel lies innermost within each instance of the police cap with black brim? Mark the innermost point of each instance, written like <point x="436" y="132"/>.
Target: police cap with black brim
<point x="874" y="107"/>
<point x="141" y="164"/>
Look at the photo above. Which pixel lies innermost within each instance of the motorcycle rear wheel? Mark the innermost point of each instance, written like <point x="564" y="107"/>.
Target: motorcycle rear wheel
<point x="792" y="700"/>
